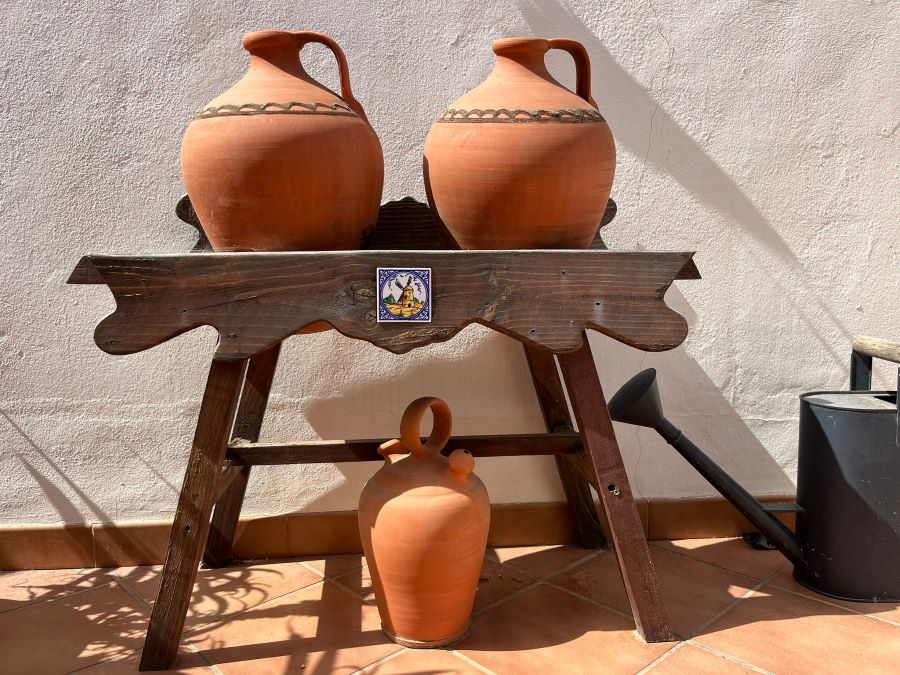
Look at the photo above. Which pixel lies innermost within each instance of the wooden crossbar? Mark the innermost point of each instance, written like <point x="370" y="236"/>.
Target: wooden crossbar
<point x="242" y="453"/>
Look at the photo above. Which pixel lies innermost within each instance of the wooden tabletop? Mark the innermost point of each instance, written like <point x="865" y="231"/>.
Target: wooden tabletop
<point x="254" y="300"/>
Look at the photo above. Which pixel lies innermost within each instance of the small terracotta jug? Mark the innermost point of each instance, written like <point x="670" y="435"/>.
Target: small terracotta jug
<point x="423" y="520"/>
<point x="279" y="162"/>
<point x="520" y="161"/>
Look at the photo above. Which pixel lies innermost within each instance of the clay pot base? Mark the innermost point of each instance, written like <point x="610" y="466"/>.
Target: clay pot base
<point x="426" y="644"/>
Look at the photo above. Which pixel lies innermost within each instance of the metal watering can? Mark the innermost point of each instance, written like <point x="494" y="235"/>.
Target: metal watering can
<point x="847" y="543"/>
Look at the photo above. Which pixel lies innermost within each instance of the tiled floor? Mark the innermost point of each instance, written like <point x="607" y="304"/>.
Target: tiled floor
<point x="538" y="610"/>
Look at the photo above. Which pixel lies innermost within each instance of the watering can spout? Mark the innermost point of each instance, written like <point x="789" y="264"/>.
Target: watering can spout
<point x="638" y="403"/>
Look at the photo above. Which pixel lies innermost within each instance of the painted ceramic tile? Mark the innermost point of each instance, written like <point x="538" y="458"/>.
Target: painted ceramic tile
<point x="404" y="294"/>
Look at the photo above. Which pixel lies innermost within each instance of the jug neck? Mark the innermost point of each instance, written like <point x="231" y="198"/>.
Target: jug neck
<point x="521" y="57"/>
<point x="274" y="53"/>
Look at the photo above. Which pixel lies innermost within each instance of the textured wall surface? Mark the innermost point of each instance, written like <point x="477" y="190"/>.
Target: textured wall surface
<point x="761" y="134"/>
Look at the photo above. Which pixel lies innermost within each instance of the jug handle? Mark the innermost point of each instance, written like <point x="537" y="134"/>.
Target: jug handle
<point x="306" y="36"/>
<point x="582" y="66"/>
<point x="411" y="423"/>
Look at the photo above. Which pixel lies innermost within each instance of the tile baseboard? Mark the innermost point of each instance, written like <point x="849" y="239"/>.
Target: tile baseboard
<point x="334" y="532"/>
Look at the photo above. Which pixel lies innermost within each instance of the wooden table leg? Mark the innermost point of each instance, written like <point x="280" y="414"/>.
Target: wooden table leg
<point x="604" y="461"/>
<point x="191" y="525"/>
<point x="550" y="394"/>
<point x="250" y="413"/>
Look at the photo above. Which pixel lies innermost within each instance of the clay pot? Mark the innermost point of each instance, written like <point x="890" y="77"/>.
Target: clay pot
<point x="279" y="162"/>
<point x="423" y="520"/>
<point x="520" y="161"/>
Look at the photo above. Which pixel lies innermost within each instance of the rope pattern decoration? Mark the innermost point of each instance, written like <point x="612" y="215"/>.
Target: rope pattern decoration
<point x="505" y="115"/>
<point x="290" y="108"/>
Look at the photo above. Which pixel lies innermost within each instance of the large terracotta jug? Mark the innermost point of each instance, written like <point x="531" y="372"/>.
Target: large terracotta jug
<point x="423" y="520"/>
<point x="280" y="162"/>
<point x="520" y="161"/>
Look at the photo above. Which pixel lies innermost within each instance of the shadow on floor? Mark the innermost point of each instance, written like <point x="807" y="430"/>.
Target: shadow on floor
<point x="282" y="616"/>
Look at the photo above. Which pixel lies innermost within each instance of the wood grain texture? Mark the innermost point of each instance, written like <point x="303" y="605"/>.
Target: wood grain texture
<point x="254" y="300"/>
<point x="877" y="348"/>
<point x="555" y="410"/>
<point x="318" y="452"/>
<point x="605" y="462"/>
<point x="195" y="501"/>
<point x="250" y="413"/>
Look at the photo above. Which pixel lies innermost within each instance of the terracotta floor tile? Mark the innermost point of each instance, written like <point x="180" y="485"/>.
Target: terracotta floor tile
<point x="26" y="587"/>
<point x="889" y="611"/>
<point x="546" y="630"/>
<point x="540" y="561"/>
<point x="72" y="632"/>
<point x="498" y="582"/>
<point x="786" y="633"/>
<point x="318" y="629"/>
<point x="186" y="661"/>
<point x="336" y="565"/>
<point x="694" y="592"/>
<point x="732" y="554"/>
<point x="422" y="662"/>
<point x="220" y="592"/>
<point x="360" y="582"/>
<point x="54" y="621"/>
<point x="696" y="661"/>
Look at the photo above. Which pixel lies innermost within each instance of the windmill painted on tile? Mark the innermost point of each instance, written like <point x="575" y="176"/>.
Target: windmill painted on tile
<point x="407" y="298"/>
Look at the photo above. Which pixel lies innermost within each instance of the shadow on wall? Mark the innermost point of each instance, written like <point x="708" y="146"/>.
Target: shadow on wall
<point x="69" y="513"/>
<point x="482" y="376"/>
<point x="619" y="95"/>
<point x="693" y="402"/>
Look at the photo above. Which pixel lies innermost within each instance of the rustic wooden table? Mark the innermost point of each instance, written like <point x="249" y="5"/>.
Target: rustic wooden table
<point x="546" y="300"/>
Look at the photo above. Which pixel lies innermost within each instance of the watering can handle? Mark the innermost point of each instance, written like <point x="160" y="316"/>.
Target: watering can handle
<point x="864" y="350"/>
<point x="877" y="348"/>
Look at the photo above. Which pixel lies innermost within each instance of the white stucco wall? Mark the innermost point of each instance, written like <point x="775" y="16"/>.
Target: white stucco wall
<point x="761" y="134"/>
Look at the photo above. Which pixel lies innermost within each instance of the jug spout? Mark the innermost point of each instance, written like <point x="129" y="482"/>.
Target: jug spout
<point x="638" y="403"/>
<point x="392" y="451"/>
<point x="462" y="463"/>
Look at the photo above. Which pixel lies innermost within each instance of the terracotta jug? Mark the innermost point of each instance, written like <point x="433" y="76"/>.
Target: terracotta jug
<point x="279" y="162"/>
<point x="423" y="520"/>
<point x="520" y="161"/>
